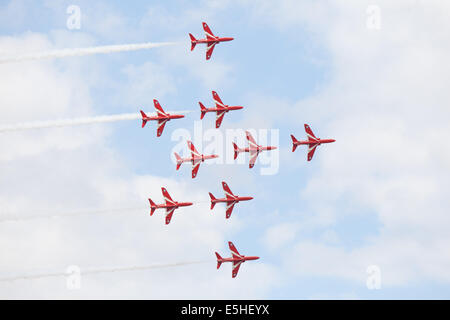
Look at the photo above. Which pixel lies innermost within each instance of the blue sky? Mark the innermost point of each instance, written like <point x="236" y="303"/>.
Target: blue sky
<point x="317" y="226"/>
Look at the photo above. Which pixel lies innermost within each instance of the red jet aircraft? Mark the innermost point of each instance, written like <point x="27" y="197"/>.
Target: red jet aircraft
<point x="253" y="148"/>
<point x="230" y="199"/>
<point x="220" y="109"/>
<point x="211" y="40"/>
<point x="196" y="158"/>
<point x="162" y="117"/>
<point x="312" y="142"/>
<point x="236" y="258"/>
<point x="170" y="205"/>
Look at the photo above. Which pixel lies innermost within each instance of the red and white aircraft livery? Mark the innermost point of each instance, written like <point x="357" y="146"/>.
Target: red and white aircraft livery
<point x="230" y="199"/>
<point x="162" y="117"/>
<point x="312" y="142"/>
<point x="170" y="205"/>
<point x="236" y="258"/>
<point x="253" y="148"/>
<point x="211" y="40"/>
<point x="220" y="109"/>
<point x="196" y="158"/>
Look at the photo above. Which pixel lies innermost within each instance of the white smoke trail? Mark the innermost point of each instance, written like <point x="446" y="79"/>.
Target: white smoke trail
<point x="83" y="51"/>
<point x="76" y="121"/>
<point x="114" y="211"/>
<point x="20" y="217"/>
<point x="100" y="270"/>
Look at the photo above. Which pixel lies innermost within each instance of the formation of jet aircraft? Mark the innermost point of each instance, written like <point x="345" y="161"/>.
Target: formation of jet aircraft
<point x="196" y="158"/>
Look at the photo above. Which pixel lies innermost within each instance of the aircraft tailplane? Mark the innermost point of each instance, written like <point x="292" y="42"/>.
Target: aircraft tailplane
<point x="193" y="41"/>
<point x="236" y="150"/>
<point x="152" y="206"/>
<point x="144" y="120"/>
<point x="213" y="203"/>
<point x="219" y="260"/>
<point x="179" y="161"/>
<point x="202" y="109"/>
<point x="294" y="143"/>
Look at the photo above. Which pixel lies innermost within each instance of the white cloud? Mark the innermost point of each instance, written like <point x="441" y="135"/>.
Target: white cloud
<point x="147" y="81"/>
<point x="280" y="235"/>
<point x="386" y="106"/>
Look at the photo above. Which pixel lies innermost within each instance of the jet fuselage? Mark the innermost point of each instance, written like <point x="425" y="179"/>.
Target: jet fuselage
<point x="225" y="109"/>
<point x="216" y="40"/>
<point x="243" y="259"/>
<point x="318" y="141"/>
<point x="235" y="199"/>
<point x="168" y="117"/>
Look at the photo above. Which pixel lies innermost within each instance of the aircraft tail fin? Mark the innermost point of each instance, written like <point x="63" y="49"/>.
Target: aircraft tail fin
<point x="294" y="143"/>
<point x="219" y="260"/>
<point x="144" y="120"/>
<point x="152" y="206"/>
<point x="179" y="161"/>
<point x="193" y="41"/>
<point x="213" y="203"/>
<point x="236" y="150"/>
<point x="202" y="109"/>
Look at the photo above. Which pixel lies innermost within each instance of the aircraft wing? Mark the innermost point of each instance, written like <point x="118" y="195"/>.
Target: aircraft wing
<point x="195" y="168"/>
<point x="169" y="213"/>
<point x="219" y="118"/>
<point x="235" y="270"/>
<point x="230" y="206"/>
<point x="144" y="118"/>
<point x="253" y="156"/>
<point x="159" y="109"/>
<point x="234" y="251"/>
<point x="208" y="32"/>
<point x="217" y="100"/>
<point x="161" y="124"/>
<point x="251" y="140"/>
<point x="166" y="196"/>
<point x="311" y="149"/>
<point x="310" y="134"/>
<point x="210" y="49"/>
<point x="227" y="191"/>
<point x="194" y="151"/>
